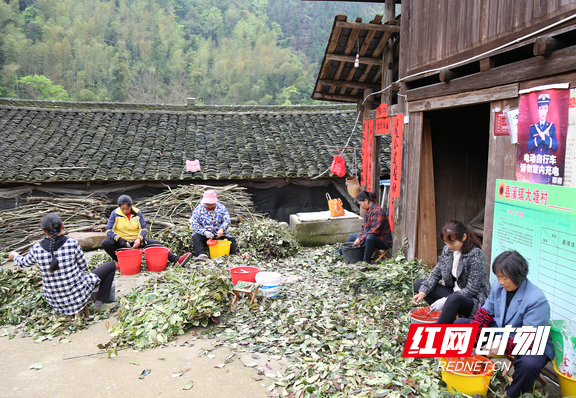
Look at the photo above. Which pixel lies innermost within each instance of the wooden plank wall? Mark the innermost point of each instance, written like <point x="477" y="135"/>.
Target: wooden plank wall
<point x="501" y="164"/>
<point x="444" y="28"/>
<point x="411" y="149"/>
<point x="427" y="236"/>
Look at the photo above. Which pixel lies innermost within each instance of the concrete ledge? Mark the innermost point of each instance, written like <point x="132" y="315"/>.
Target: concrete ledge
<point x="324" y="231"/>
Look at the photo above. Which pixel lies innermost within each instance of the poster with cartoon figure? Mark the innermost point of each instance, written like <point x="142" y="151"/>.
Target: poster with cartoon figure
<point x="542" y="129"/>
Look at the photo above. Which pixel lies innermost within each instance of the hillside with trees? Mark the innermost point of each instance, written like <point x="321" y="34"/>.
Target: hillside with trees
<point x="162" y="51"/>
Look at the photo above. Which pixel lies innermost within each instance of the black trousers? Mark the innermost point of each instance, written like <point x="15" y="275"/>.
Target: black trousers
<point x="456" y="304"/>
<point x="200" y="244"/>
<point x="106" y="274"/>
<point x="110" y="246"/>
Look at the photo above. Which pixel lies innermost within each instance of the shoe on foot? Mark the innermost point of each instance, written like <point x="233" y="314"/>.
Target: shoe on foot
<point x="105" y="306"/>
<point x="184" y="259"/>
<point x="202" y="257"/>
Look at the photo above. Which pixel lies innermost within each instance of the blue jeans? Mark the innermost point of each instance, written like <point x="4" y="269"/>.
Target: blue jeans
<point x="370" y="243"/>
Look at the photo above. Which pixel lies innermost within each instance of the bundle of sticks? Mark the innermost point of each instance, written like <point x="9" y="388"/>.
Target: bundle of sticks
<point x="174" y="207"/>
<point x="20" y="227"/>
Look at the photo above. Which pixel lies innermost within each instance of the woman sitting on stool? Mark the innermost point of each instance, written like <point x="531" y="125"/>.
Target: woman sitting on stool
<point x="462" y="266"/>
<point x="515" y="301"/>
<point x="375" y="231"/>
<point x="210" y="220"/>
<point x="62" y="262"/>
<point x="126" y="228"/>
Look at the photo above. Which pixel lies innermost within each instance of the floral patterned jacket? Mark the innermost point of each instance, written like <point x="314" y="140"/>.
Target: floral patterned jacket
<point x="203" y="220"/>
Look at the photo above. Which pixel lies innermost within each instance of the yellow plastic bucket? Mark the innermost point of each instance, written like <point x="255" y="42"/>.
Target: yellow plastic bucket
<point x="468" y="384"/>
<point x="222" y="248"/>
<point x="567" y="385"/>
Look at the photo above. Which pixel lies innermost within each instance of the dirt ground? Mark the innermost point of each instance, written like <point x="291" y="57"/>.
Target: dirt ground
<point x="100" y="376"/>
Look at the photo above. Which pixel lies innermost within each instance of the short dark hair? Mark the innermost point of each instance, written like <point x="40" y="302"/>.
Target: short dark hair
<point x="512" y="264"/>
<point x="363" y="195"/>
<point x="454" y="230"/>
<point x="125" y="200"/>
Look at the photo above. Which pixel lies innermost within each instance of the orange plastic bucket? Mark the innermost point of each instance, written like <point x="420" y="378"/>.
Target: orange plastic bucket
<point x="156" y="258"/>
<point x="129" y="261"/>
<point x="423" y="315"/>
<point x="246" y="274"/>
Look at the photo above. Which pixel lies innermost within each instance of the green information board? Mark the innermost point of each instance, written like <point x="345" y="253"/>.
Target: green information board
<point x="539" y="221"/>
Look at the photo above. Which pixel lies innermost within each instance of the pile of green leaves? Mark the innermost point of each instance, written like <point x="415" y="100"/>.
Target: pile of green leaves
<point x="167" y="305"/>
<point x="178" y="239"/>
<point x="339" y="340"/>
<point x="22" y="305"/>
<point x="266" y="238"/>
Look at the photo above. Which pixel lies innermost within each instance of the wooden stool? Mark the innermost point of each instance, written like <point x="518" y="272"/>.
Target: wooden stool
<point x="250" y="289"/>
<point x="379" y="254"/>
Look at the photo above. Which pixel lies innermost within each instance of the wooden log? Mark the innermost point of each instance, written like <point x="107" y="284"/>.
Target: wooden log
<point x="368" y="26"/>
<point x="337" y="97"/>
<point x="352" y="59"/>
<point x="473" y="97"/>
<point x="446" y="75"/>
<point x="487" y="64"/>
<point x="427" y="245"/>
<point x="546" y="45"/>
<point x="347" y="84"/>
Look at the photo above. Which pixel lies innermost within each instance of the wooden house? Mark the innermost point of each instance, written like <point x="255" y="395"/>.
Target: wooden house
<point x="113" y="148"/>
<point x="447" y="72"/>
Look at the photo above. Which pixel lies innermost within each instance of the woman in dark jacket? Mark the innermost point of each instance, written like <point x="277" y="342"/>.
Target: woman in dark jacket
<point x="462" y="266"/>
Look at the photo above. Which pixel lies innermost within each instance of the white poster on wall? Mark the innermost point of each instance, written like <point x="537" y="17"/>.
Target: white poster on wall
<point x="570" y="166"/>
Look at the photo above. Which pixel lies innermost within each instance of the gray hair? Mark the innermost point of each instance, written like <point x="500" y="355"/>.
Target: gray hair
<point x="512" y="264"/>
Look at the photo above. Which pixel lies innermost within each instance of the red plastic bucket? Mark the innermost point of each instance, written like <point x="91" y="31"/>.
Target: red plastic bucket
<point x="156" y="258"/>
<point x="246" y="274"/>
<point x="129" y="261"/>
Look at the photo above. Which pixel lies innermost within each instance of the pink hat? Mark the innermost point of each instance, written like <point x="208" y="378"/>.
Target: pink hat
<point x="209" y="197"/>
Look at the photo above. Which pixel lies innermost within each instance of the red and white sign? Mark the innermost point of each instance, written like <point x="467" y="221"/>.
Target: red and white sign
<point x="458" y="340"/>
<point x="440" y="340"/>
<point x="383" y="126"/>
<point x="500" y="124"/>
<point x="395" y="164"/>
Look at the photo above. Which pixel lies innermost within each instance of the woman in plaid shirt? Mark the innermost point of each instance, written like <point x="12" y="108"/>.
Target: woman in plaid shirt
<point x="375" y="231"/>
<point x="62" y="263"/>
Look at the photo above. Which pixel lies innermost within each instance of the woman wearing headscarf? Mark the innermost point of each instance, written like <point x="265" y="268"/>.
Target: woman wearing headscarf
<point x="210" y="220"/>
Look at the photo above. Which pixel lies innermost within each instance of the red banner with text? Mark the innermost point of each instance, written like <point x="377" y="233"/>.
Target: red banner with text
<point x="395" y="164"/>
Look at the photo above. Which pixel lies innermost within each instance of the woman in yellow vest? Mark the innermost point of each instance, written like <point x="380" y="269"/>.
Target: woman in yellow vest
<point x="127" y="228"/>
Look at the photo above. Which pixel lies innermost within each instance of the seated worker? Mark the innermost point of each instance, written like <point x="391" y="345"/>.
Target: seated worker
<point x="462" y="266"/>
<point x="210" y="220"/>
<point x="126" y="228"/>
<point x="67" y="288"/>
<point x="515" y="301"/>
<point x="375" y="231"/>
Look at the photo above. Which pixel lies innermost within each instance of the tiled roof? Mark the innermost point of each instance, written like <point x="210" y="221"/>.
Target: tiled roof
<point x="83" y="141"/>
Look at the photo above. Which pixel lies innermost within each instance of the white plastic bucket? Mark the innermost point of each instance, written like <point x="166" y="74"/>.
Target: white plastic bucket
<point x="271" y="283"/>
